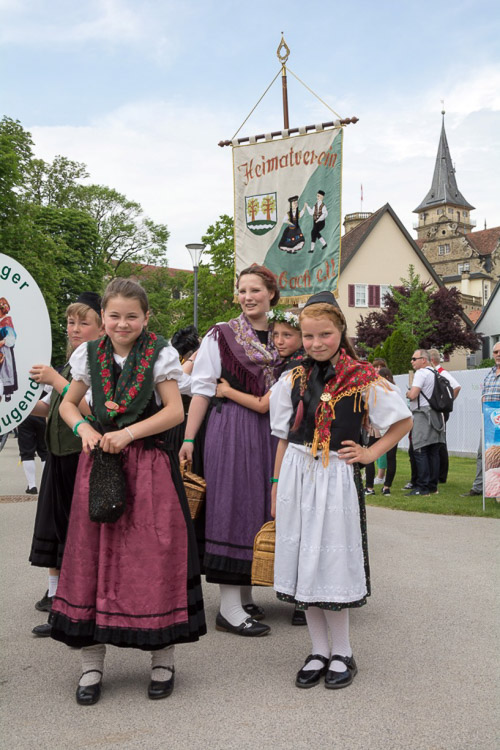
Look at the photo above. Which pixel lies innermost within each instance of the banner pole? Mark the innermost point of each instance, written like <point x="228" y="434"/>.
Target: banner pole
<point x="283" y="53"/>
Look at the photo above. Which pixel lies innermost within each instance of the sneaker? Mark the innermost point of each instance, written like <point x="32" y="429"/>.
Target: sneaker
<point x="386" y="491"/>
<point x="471" y="493"/>
<point x="408" y="486"/>
<point x="45" y="603"/>
<point x="369" y="491"/>
<point x="31" y="491"/>
<point x="378" y="480"/>
<point x="417" y="492"/>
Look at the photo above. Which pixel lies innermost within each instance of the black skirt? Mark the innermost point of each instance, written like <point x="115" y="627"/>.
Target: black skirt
<point x="53" y="509"/>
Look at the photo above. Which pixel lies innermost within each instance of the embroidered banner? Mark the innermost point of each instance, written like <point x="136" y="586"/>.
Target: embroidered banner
<point x="287" y="210"/>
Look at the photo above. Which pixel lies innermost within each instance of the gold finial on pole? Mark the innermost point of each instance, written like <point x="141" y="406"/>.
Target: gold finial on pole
<point x="283" y="53"/>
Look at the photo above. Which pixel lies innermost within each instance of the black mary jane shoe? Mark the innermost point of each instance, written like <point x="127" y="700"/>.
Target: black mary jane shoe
<point x="87" y="695"/>
<point x="250" y="628"/>
<point x="255" y="612"/>
<point x="308" y="678"/>
<point x="157" y="689"/>
<point x="299" y="617"/>
<point x="334" y="680"/>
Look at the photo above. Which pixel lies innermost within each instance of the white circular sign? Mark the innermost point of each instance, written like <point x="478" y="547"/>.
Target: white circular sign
<point x="25" y="340"/>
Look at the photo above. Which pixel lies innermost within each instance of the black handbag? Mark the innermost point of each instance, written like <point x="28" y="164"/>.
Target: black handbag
<point x="107" y="487"/>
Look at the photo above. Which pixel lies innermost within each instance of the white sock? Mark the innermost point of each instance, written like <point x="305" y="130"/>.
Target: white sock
<point x="338" y="623"/>
<point x="29" y="471"/>
<point x="322" y="241"/>
<point x="318" y="630"/>
<point x="312" y="245"/>
<point x="160" y="662"/>
<point x="53" y="581"/>
<point x="92" y="664"/>
<point x="230" y="604"/>
<point x="246" y="595"/>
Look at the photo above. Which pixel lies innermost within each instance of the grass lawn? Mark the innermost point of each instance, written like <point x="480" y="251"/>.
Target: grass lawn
<point x="448" y="502"/>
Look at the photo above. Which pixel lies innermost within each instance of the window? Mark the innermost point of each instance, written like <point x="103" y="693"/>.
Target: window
<point x="450" y="211"/>
<point x="360" y="298"/>
<point x="384" y="289"/>
<point x="463" y="268"/>
<point x="440" y="211"/>
<point x="464" y="214"/>
<point x="486" y="292"/>
<point x="443" y="249"/>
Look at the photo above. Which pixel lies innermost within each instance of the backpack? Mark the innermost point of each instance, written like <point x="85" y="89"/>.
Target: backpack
<point x="441" y="399"/>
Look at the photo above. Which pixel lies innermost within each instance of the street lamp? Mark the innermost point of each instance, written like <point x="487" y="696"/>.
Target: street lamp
<point x="195" y="251"/>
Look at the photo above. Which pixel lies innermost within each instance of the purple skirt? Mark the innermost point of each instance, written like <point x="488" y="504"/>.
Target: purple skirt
<point x="134" y="582"/>
<point x="239" y="461"/>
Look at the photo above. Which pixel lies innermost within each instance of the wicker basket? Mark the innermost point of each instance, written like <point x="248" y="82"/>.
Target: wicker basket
<point x="263" y="555"/>
<point x="195" y="487"/>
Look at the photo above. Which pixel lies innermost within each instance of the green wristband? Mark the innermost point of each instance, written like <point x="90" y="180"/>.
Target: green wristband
<point x="77" y="425"/>
<point x="273" y="480"/>
<point x="188" y="440"/>
<point x="64" y="390"/>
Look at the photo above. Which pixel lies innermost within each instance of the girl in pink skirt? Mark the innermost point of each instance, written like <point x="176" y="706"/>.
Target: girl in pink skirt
<point x="133" y="583"/>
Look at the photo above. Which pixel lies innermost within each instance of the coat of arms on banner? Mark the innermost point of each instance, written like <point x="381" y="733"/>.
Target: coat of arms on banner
<point x="261" y="212"/>
<point x="288" y="210"/>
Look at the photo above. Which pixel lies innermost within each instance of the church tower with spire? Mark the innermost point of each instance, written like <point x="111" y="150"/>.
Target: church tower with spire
<point x="465" y="259"/>
<point x="444" y="213"/>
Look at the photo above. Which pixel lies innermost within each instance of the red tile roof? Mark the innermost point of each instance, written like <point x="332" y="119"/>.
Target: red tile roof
<point x="474" y="315"/>
<point x="485" y="241"/>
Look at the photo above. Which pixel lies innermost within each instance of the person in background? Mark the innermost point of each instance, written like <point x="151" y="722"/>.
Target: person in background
<point x="435" y="358"/>
<point x="83" y="323"/>
<point x="490" y="392"/>
<point x="428" y="426"/>
<point x="31" y="441"/>
<point x="239" y="449"/>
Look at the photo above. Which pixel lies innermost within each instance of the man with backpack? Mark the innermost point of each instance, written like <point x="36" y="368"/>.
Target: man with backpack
<point x="429" y="401"/>
<point x="443" y="448"/>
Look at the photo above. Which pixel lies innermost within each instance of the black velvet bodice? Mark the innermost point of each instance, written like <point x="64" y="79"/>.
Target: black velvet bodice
<point x="347" y="422"/>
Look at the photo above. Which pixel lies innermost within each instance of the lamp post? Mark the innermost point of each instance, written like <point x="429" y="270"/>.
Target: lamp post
<point x="195" y="251"/>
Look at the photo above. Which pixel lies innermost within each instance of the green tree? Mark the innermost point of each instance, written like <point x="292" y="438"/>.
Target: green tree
<point x="171" y="297"/>
<point x="71" y="236"/>
<point x="413" y="318"/>
<point x="400" y="349"/>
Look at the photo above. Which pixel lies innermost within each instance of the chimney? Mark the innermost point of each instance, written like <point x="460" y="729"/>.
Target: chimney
<point x="352" y="220"/>
<point x="464" y="284"/>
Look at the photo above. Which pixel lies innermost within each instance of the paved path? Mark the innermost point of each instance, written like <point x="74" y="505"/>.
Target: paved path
<point x="425" y="645"/>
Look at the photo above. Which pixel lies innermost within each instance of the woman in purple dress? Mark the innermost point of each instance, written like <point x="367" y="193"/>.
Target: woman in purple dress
<point x="239" y="449"/>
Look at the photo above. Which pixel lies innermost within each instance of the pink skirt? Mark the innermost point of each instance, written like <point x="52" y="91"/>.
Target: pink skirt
<point x="135" y="582"/>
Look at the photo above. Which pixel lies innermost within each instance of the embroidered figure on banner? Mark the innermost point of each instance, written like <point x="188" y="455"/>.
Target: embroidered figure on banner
<point x="319" y="213"/>
<point x="261" y="212"/>
<point x="292" y="238"/>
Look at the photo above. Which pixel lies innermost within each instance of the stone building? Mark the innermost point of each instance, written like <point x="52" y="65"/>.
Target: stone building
<point x="463" y="258"/>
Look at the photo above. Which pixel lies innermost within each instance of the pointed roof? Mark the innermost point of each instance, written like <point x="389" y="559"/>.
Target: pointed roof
<point x="444" y="188"/>
<point x="353" y="240"/>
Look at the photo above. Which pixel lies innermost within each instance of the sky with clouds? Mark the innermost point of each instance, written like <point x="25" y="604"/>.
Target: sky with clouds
<point x="141" y="91"/>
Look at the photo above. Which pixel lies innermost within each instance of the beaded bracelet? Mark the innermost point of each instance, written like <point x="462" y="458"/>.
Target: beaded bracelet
<point x="64" y="390"/>
<point x="77" y="425"/>
<point x="273" y="480"/>
<point x="129" y="432"/>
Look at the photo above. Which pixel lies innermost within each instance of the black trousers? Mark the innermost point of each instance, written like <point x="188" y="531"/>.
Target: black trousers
<point x="31" y="438"/>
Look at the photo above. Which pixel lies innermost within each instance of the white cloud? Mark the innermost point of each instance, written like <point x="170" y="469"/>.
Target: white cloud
<point x="165" y="155"/>
<point x="56" y="23"/>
